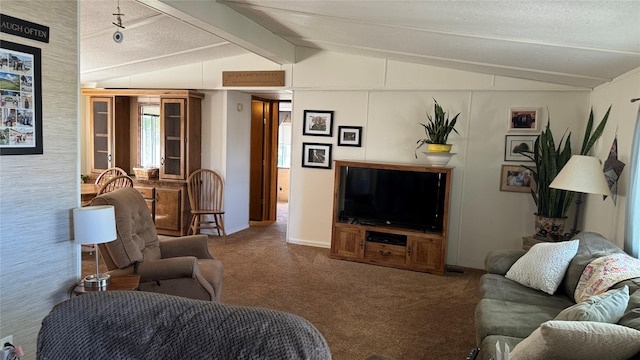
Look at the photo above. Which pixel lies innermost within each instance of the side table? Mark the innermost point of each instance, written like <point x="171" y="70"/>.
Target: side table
<point x="529" y="241"/>
<point x="125" y="282"/>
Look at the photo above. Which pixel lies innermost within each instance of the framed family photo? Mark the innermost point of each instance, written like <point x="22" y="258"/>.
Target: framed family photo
<point x="316" y="155"/>
<point x="318" y="123"/>
<point x="515" y="144"/>
<point x="517" y="179"/>
<point x="349" y="135"/>
<point x="20" y="99"/>
<point x="523" y="119"/>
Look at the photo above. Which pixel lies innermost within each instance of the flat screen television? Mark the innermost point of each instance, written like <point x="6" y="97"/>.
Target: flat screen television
<point x="401" y="198"/>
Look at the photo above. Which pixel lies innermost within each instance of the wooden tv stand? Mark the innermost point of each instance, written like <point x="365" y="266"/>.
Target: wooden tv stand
<point x="389" y="245"/>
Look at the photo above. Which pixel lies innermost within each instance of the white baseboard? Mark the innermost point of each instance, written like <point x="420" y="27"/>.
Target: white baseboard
<point x="309" y="243"/>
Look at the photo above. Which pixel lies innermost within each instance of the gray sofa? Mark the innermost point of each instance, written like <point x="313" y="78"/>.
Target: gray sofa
<point x="141" y="325"/>
<point x="509" y="312"/>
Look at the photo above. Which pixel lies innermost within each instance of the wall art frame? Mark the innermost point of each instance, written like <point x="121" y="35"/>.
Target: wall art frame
<point x="516" y="178"/>
<point x="515" y="143"/>
<point x="20" y="99"/>
<point x="523" y="119"/>
<point x="318" y="123"/>
<point x="316" y="155"/>
<point x="350" y="136"/>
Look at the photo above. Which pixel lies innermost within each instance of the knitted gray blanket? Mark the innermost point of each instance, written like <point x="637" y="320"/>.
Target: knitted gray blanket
<point x="141" y="325"/>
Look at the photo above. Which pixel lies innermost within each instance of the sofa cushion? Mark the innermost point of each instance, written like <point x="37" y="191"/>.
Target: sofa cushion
<point x="592" y="246"/>
<point x="498" y="287"/>
<point x="544" y="266"/>
<point x="631" y="317"/>
<point x="608" y="307"/>
<point x="500" y="317"/>
<point x="578" y="340"/>
<point x="604" y="272"/>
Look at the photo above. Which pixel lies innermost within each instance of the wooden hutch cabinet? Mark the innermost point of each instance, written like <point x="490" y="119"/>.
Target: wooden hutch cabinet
<point x="388" y="243"/>
<point x="180" y="146"/>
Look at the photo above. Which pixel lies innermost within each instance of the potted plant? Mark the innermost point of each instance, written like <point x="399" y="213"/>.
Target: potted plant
<point x="437" y="131"/>
<point x="553" y="204"/>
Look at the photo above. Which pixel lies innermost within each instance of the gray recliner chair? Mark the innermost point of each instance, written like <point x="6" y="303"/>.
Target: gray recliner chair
<point x="181" y="266"/>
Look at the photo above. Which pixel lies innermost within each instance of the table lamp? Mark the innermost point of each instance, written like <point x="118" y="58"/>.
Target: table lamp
<point x="581" y="174"/>
<point x="95" y="225"/>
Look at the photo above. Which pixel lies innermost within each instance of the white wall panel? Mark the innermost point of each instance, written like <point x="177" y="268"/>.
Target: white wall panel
<point x="605" y="216"/>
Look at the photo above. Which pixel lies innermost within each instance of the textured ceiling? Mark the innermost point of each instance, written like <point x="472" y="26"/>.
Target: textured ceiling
<point x="580" y="43"/>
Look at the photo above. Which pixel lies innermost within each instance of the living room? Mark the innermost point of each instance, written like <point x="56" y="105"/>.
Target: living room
<point x="387" y="98"/>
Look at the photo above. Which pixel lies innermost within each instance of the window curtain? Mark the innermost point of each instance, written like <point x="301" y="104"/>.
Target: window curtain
<point x="632" y="230"/>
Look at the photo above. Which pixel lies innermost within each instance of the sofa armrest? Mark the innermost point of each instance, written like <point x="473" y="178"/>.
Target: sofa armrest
<point x="500" y="261"/>
<point x="192" y="245"/>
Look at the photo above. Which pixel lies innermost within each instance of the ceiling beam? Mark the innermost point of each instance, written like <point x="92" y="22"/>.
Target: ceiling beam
<point x="228" y="24"/>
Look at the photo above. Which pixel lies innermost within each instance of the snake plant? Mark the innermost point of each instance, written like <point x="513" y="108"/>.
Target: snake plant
<point x="438" y="128"/>
<point x="549" y="160"/>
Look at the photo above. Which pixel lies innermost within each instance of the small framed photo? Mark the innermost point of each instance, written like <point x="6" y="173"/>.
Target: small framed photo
<point x="318" y="123"/>
<point x="517" y="179"/>
<point x="523" y="119"/>
<point x="514" y="144"/>
<point x="349" y="135"/>
<point x="316" y="155"/>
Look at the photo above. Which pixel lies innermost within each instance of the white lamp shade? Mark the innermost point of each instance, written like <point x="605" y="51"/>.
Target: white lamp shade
<point x="94" y="224"/>
<point x="582" y="174"/>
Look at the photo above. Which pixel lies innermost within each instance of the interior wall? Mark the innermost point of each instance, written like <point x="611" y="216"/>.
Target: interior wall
<point x="389" y="98"/>
<point x="38" y="261"/>
<point x="237" y="155"/>
<point x="606" y="216"/>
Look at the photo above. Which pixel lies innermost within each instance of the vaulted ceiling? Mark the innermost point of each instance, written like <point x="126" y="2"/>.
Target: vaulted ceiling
<point x="579" y="43"/>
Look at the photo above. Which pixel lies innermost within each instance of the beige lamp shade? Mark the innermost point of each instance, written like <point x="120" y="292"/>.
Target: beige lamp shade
<point x="582" y="174"/>
<point x="94" y="224"/>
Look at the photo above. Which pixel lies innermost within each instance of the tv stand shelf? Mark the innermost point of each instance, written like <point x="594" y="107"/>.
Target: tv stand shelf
<point x="388" y="245"/>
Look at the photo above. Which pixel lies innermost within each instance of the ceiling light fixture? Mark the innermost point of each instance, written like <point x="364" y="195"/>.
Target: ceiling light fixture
<point x="118" y="36"/>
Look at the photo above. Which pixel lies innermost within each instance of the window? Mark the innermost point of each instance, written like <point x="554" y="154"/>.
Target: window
<point x="150" y="135"/>
<point x="632" y="231"/>
<point x="284" y="136"/>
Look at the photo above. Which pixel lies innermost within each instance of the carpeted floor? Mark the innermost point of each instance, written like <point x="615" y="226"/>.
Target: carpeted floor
<point x="362" y="310"/>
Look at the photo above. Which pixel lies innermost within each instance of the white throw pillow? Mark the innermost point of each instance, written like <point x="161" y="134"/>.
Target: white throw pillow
<point x="579" y="340"/>
<point x="608" y="307"/>
<point x="544" y="265"/>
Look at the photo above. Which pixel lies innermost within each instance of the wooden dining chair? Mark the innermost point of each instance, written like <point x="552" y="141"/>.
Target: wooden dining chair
<point x="116" y="183"/>
<point x="205" y="188"/>
<point x="109" y="174"/>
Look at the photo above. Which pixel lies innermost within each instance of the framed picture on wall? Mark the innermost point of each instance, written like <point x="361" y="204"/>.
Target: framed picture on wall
<point x="20" y="99"/>
<point x="515" y="144"/>
<point x="316" y="155"/>
<point x="349" y="135"/>
<point x="318" y="123"/>
<point x="523" y="119"/>
<point x="517" y="179"/>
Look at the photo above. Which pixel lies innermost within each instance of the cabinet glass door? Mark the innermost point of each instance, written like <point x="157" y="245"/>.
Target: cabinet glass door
<point x="101" y="131"/>
<point x="173" y="139"/>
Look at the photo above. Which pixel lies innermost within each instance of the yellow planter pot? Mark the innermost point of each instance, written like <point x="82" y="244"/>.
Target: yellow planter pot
<point x="439" y="147"/>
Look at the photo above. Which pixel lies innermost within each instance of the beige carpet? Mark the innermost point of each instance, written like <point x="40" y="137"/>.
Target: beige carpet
<point x="361" y="309"/>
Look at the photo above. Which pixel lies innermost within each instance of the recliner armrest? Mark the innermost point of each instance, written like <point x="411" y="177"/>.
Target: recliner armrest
<point x="500" y="261"/>
<point x="162" y="269"/>
<point x="191" y="245"/>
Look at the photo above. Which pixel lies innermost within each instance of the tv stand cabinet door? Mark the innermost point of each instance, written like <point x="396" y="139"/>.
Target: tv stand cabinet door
<point x="426" y="254"/>
<point x="348" y="242"/>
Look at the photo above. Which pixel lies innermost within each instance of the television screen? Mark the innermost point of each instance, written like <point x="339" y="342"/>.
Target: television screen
<point x="394" y="197"/>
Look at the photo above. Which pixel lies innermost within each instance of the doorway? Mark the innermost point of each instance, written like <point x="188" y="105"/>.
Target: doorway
<point x="270" y="158"/>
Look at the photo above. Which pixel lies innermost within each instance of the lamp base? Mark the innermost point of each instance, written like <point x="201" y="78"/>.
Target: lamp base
<point x="96" y="280"/>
